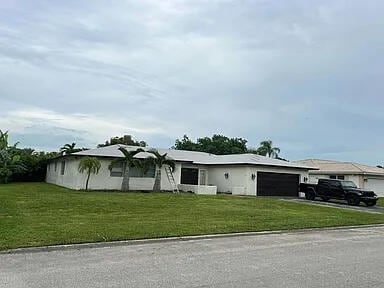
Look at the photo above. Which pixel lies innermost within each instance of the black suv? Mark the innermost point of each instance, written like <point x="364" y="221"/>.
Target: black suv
<point x="338" y="189"/>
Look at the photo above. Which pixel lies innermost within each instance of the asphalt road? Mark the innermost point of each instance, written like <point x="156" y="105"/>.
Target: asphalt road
<point x="329" y="258"/>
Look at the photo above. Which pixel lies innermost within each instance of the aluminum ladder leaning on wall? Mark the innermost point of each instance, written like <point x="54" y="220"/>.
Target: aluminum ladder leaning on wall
<point x="171" y="179"/>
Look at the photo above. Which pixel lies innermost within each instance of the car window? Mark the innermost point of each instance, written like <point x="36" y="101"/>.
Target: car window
<point x="335" y="184"/>
<point x="348" y="184"/>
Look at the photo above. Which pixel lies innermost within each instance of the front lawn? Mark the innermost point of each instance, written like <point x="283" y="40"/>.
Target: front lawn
<point x="380" y="202"/>
<point x="34" y="214"/>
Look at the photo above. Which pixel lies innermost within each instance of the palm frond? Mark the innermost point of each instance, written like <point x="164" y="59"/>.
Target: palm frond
<point x="143" y="164"/>
<point x="162" y="159"/>
<point x="170" y="163"/>
<point x="90" y="164"/>
<point x="114" y="162"/>
<point x="130" y="154"/>
<point x="276" y="150"/>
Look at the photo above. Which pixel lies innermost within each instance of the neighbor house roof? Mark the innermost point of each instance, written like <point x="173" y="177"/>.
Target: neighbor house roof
<point x="195" y="157"/>
<point x="336" y="167"/>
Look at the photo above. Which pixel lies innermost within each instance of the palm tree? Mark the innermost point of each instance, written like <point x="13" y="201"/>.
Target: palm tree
<point x="143" y="164"/>
<point x="129" y="161"/>
<point x="10" y="163"/>
<point x="3" y="140"/>
<point x="69" y="149"/>
<point x="160" y="160"/>
<point x="91" y="165"/>
<point x="266" y="148"/>
<point x="10" y="160"/>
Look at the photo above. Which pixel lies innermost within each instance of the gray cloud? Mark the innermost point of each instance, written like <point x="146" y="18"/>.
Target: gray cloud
<point x="306" y="74"/>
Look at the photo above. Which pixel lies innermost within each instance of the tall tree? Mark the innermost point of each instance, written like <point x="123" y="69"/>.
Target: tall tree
<point x="129" y="161"/>
<point x="125" y="140"/>
<point x="90" y="165"/>
<point x="69" y="149"/>
<point x="35" y="163"/>
<point x="3" y="140"/>
<point x="10" y="162"/>
<point x="218" y="144"/>
<point x="160" y="160"/>
<point x="185" y="144"/>
<point x="266" y="149"/>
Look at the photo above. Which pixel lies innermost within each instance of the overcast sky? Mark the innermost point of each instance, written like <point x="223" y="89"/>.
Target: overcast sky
<point x="308" y="75"/>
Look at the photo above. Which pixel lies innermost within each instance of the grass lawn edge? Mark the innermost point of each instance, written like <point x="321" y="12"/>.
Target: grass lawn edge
<point x="143" y="241"/>
<point x="44" y="215"/>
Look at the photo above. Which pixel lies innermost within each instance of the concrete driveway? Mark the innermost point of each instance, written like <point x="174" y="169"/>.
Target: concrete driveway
<point x="321" y="258"/>
<point x="339" y="204"/>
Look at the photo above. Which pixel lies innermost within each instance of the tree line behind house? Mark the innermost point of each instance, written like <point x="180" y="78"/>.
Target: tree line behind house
<point x="27" y="165"/>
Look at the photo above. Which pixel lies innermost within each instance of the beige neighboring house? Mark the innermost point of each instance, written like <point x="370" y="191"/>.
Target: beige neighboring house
<point x="364" y="176"/>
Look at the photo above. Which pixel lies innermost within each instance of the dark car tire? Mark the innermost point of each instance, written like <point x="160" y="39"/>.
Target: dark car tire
<point x="353" y="200"/>
<point x="310" y="195"/>
<point x="370" y="203"/>
<point x="325" y="199"/>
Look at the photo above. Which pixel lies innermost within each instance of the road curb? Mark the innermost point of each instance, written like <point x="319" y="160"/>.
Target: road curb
<point x="173" y="239"/>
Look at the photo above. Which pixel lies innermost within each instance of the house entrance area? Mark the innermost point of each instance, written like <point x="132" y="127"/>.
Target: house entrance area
<point x="195" y="180"/>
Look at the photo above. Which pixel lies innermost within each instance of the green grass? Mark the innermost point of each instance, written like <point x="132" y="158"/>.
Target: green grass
<point x="35" y="214"/>
<point x="380" y="202"/>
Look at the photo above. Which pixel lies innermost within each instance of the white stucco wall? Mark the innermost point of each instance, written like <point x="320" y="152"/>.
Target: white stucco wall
<point x="237" y="177"/>
<point x="75" y="180"/>
<point x="198" y="189"/>
<point x="240" y="180"/>
<point x="103" y="180"/>
<point x="165" y="184"/>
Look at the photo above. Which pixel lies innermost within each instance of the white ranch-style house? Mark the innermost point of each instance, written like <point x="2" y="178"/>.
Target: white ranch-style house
<point x="198" y="172"/>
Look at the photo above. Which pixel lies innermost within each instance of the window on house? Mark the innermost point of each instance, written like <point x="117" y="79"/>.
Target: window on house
<point x="134" y="172"/>
<point x="62" y="167"/>
<point x="190" y="176"/>
<point x="338" y="177"/>
<point x="117" y="170"/>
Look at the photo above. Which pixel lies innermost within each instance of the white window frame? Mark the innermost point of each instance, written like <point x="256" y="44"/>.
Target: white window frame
<point x="337" y="177"/>
<point x="117" y="170"/>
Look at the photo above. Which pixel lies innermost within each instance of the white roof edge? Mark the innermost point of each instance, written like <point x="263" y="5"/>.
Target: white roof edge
<point x="196" y="157"/>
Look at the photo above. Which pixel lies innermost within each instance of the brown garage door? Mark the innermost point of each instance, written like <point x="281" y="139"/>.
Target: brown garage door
<point x="277" y="184"/>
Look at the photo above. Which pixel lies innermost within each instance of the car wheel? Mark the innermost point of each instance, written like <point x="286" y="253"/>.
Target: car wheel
<point x="310" y="195"/>
<point x="353" y="200"/>
<point x="370" y="203"/>
<point x="325" y="199"/>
